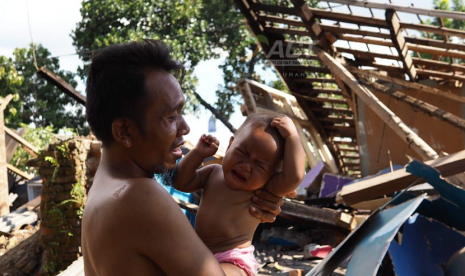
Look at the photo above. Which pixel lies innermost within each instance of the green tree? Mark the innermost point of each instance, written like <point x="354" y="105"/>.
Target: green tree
<point x="458" y="6"/>
<point x="196" y="30"/>
<point x="36" y="100"/>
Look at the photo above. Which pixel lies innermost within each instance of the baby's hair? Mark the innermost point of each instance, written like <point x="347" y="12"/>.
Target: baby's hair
<point x="260" y="120"/>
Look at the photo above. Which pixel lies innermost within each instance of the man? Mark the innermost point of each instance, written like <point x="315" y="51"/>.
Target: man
<point x="131" y="225"/>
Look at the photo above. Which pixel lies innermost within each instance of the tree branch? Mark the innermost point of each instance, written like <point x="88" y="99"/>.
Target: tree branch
<point x="215" y="112"/>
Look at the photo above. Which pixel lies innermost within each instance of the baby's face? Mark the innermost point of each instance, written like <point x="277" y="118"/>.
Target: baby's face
<point x="251" y="160"/>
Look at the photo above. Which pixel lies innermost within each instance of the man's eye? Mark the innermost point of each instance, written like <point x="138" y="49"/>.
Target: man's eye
<point x="173" y="118"/>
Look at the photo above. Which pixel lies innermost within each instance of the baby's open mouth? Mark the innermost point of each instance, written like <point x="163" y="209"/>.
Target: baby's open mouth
<point x="238" y="175"/>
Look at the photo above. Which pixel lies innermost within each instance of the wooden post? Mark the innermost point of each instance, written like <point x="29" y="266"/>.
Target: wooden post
<point x="391" y="119"/>
<point x="4" y="204"/>
<point x="399" y="43"/>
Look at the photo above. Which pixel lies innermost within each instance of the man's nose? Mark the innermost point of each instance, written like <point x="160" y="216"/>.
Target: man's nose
<point x="183" y="128"/>
<point x="245" y="166"/>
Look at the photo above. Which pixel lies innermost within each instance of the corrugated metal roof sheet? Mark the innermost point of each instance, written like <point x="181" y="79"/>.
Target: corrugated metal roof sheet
<point x="75" y="269"/>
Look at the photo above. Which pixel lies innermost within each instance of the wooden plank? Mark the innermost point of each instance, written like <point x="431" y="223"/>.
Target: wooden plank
<point x="435" y="64"/>
<point x="337" y="120"/>
<point x="433" y="29"/>
<point x="62" y="85"/>
<point x="436" y="51"/>
<point x="327" y="100"/>
<point x="317" y="215"/>
<point x="25" y="144"/>
<point x="435" y="43"/>
<point x="19" y="172"/>
<point x="4" y="192"/>
<point x="313" y="80"/>
<point x="399" y="43"/>
<point x="277" y="19"/>
<point x="392" y="120"/>
<point x="343" y="30"/>
<point x="443" y="75"/>
<point x="377" y="42"/>
<point x="389" y="183"/>
<point x="286" y="31"/>
<point x="349" y="18"/>
<point x="310" y="69"/>
<point x="407" y="9"/>
<point x="417" y="104"/>
<point x="407" y="84"/>
<point x="364" y="54"/>
<point x="332" y="110"/>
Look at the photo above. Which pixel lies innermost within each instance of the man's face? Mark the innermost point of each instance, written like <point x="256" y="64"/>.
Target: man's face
<point x="251" y="159"/>
<point x="164" y="124"/>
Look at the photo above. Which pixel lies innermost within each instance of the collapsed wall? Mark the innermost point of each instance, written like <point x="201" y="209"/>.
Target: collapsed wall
<point x="67" y="170"/>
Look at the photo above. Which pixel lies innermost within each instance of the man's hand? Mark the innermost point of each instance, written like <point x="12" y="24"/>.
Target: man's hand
<point x="266" y="206"/>
<point x="207" y="145"/>
<point x="285" y="126"/>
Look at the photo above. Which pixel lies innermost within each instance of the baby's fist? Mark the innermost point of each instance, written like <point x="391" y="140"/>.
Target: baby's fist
<point x="285" y="126"/>
<point x="207" y="145"/>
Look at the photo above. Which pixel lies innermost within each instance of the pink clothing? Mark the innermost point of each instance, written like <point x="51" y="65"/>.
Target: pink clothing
<point x="241" y="257"/>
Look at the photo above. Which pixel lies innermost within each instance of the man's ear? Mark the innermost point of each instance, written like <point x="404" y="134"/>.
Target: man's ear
<point x="230" y="142"/>
<point x="121" y="129"/>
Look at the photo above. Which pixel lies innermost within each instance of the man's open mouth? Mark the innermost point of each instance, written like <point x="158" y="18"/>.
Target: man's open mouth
<point x="177" y="148"/>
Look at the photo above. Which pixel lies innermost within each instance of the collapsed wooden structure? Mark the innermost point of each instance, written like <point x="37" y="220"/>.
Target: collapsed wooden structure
<point x="344" y="60"/>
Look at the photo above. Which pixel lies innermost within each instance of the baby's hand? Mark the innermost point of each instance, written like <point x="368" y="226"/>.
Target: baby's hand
<point x="285" y="126"/>
<point x="207" y="145"/>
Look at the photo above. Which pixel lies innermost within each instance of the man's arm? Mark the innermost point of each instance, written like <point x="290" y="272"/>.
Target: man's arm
<point x="187" y="177"/>
<point x="293" y="171"/>
<point x="153" y="226"/>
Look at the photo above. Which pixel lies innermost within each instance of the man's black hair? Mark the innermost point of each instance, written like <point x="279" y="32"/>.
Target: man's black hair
<point x="116" y="83"/>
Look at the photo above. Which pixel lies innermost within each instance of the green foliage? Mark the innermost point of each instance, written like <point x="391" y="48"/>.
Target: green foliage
<point x="196" y="30"/>
<point x="37" y="101"/>
<point x="39" y="137"/>
<point x="458" y="6"/>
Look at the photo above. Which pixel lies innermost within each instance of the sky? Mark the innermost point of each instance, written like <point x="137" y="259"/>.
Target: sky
<point x="51" y="23"/>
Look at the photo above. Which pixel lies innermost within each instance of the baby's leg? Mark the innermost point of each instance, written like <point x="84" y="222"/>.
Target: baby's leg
<point x="232" y="270"/>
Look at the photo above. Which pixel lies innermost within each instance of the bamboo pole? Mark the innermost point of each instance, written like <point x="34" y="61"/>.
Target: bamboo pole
<point x="391" y="119"/>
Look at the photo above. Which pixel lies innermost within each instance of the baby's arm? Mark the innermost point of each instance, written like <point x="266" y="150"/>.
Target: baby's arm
<point x="293" y="171"/>
<point x="187" y="177"/>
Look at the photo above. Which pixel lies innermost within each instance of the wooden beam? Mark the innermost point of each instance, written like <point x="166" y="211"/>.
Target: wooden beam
<point x="327" y="100"/>
<point x="286" y="31"/>
<point x="439" y="64"/>
<point x="317" y="215"/>
<point x="424" y="107"/>
<point x="399" y="43"/>
<point x="4" y="192"/>
<point x="342" y="30"/>
<point x="19" y="172"/>
<point x="349" y="18"/>
<point x="433" y="29"/>
<point x="407" y="84"/>
<point x="314" y="30"/>
<point x="408" y="9"/>
<point x="443" y="75"/>
<point x="313" y="80"/>
<point x="61" y="84"/>
<point x="25" y="144"/>
<point x="391" y="119"/>
<point x="365" y="54"/>
<point x="377" y="42"/>
<point x="389" y="183"/>
<point x="281" y="20"/>
<point x="436" y="51"/>
<point x="435" y="43"/>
